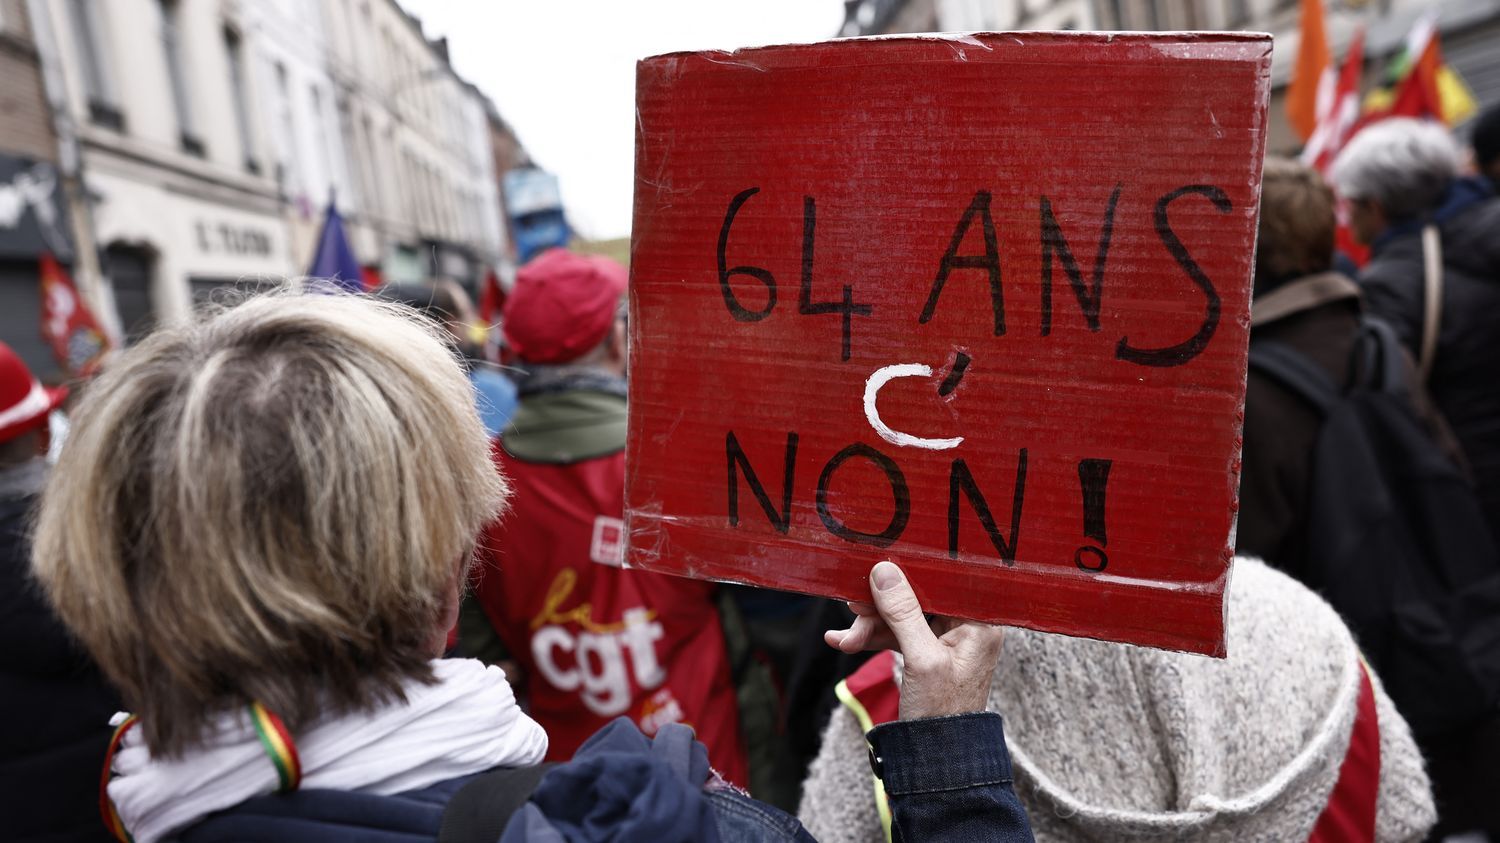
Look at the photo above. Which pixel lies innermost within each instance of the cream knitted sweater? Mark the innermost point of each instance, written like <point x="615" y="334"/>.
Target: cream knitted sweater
<point x="1113" y="742"/>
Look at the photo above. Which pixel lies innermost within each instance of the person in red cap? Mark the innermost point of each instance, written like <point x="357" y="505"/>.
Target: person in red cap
<point x="593" y="640"/>
<point x="54" y="706"/>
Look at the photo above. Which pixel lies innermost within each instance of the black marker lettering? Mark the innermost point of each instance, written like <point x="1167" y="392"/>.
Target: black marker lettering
<point x="739" y="312"/>
<point x="961" y="480"/>
<point x="1191" y="347"/>
<point x="989" y="261"/>
<point x="1093" y="479"/>
<point x="805" y="305"/>
<point x="899" y="491"/>
<point x="782" y="520"/>
<point x="1054" y="241"/>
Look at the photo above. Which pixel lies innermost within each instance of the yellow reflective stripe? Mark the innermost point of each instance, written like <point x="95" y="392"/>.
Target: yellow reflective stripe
<point x="866" y="724"/>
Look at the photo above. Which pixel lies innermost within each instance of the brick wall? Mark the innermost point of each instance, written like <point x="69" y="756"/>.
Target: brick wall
<point x="25" y="122"/>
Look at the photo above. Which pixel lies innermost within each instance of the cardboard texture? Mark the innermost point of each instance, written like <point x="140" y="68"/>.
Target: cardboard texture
<point x="977" y="304"/>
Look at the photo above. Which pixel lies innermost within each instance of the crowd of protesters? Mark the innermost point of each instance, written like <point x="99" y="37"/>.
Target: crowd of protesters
<point x="352" y="582"/>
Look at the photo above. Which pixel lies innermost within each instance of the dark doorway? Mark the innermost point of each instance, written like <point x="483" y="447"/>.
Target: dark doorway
<point x="130" y="269"/>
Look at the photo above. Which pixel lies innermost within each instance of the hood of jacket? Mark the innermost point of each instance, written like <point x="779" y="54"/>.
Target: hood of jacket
<point x="567" y="421"/>
<point x="1115" y="742"/>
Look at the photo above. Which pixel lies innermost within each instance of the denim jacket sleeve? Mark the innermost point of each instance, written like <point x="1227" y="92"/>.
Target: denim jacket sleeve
<point x="949" y="779"/>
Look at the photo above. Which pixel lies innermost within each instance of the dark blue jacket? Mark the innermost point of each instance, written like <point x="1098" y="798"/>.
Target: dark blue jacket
<point x="1468" y="342"/>
<point x="948" y="779"/>
<point x="54" y="707"/>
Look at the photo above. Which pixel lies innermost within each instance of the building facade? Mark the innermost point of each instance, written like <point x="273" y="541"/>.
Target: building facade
<point x="423" y="198"/>
<point x="182" y="191"/>
<point x="1470" y="30"/>
<point x="211" y="135"/>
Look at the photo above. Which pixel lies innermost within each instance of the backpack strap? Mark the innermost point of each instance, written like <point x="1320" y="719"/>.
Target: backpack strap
<point x="1294" y="371"/>
<point x="1432" y="298"/>
<point x="481" y="809"/>
<point x="1382" y="361"/>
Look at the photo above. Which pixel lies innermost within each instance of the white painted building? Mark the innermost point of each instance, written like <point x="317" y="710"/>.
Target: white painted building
<point x="163" y="99"/>
<point x="295" y="116"/>
<point x="212" y="133"/>
<point x="424" y="199"/>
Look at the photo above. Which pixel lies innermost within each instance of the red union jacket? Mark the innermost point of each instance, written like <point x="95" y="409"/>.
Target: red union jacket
<point x="597" y="641"/>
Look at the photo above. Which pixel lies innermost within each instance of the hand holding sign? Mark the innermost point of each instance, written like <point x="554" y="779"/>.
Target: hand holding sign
<point x="948" y="664"/>
<point x="1015" y="354"/>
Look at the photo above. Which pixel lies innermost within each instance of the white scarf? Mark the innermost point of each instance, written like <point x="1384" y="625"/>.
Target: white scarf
<point x="466" y="723"/>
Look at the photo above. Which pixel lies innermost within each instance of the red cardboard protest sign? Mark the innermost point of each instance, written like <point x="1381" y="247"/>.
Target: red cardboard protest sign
<point x="976" y="304"/>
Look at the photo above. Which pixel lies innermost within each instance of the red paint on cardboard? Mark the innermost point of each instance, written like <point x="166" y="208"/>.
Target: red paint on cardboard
<point x="1033" y="253"/>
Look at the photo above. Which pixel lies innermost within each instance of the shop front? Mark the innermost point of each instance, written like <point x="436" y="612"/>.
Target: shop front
<point x="166" y="251"/>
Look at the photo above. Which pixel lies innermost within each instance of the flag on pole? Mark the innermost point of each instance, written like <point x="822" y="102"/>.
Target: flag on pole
<point x="1312" y="76"/>
<point x="491" y="299"/>
<point x="491" y="303"/>
<point x="1421" y="84"/>
<point x="77" y="340"/>
<point x="334" y="260"/>
<point x="1336" y="121"/>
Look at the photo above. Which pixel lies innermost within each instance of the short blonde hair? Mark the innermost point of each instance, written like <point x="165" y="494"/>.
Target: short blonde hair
<point x="271" y="504"/>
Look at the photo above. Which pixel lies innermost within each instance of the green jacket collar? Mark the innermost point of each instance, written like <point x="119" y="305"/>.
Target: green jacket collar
<point x="566" y="427"/>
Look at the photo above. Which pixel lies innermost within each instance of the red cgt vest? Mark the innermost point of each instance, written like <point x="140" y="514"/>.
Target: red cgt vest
<point x="597" y="641"/>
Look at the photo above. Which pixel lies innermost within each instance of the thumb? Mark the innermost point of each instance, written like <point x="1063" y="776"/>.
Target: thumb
<point x="898" y="607"/>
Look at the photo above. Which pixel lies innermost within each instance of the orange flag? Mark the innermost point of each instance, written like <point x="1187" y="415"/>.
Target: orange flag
<point x="1313" y="64"/>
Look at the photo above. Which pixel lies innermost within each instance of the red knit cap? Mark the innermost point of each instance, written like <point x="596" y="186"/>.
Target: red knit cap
<point x="24" y="402"/>
<point x="562" y="306"/>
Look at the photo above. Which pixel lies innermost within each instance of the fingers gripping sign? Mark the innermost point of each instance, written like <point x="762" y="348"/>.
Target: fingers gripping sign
<point x="948" y="663"/>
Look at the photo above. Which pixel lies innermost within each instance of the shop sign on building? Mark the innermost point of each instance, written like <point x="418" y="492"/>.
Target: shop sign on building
<point x="33" y="216"/>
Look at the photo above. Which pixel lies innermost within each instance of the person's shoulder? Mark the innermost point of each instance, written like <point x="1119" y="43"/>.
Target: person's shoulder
<point x="1472" y="239"/>
<point x="330" y="816"/>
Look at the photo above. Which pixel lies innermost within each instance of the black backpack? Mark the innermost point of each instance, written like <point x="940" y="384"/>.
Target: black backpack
<point x="1396" y="539"/>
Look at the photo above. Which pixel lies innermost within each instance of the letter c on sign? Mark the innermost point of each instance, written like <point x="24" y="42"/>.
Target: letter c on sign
<point x="872" y="391"/>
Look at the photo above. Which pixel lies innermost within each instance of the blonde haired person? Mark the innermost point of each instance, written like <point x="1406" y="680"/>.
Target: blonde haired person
<point x="260" y="528"/>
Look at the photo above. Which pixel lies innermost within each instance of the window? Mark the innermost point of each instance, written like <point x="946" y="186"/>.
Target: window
<point x="371" y="168"/>
<point x="171" y="45"/>
<point x="343" y="147"/>
<point x="234" y="54"/>
<point x="96" y="83"/>
<point x="130" y="269"/>
<point x="321" y="169"/>
<point x="290" y="175"/>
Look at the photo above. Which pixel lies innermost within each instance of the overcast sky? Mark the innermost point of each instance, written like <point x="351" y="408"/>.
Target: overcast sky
<point x="563" y="74"/>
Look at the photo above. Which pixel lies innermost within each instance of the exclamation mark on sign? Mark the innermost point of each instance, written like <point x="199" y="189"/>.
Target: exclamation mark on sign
<point x="1093" y="478"/>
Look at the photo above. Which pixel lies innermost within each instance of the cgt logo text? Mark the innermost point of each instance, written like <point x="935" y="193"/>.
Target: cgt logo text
<point x="598" y="660"/>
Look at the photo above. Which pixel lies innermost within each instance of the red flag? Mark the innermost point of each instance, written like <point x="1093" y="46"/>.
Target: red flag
<point x="67" y="325"/>
<point x="491" y="299"/>
<point x="1418" y="94"/>
<point x="371" y="277"/>
<point x="1336" y="122"/>
<point x="491" y="303"/>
